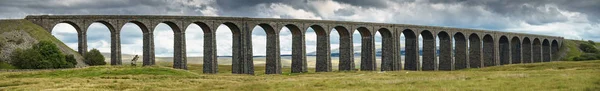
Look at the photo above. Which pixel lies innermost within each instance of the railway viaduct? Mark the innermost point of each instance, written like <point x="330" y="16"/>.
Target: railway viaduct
<point x="458" y="48"/>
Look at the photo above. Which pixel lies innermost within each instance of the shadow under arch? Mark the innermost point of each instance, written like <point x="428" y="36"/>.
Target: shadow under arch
<point x="411" y="60"/>
<point x="429" y="50"/>
<point x="475" y="51"/>
<point x="488" y="51"/>
<point x="445" y="51"/>
<point x="516" y="50"/>
<point x="460" y="53"/>
<point x="387" y="53"/>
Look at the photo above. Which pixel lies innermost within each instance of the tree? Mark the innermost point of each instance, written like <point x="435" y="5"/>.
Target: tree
<point x="94" y="57"/>
<point x="43" y="55"/>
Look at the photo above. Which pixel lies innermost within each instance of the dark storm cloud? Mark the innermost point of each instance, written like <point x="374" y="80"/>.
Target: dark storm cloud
<point x="535" y="11"/>
<point x="365" y="3"/>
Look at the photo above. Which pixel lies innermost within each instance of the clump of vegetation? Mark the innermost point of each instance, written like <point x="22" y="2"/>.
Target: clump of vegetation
<point x="94" y="57"/>
<point x="43" y="55"/>
<point x="71" y="59"/>
<point x="591" y="52"/>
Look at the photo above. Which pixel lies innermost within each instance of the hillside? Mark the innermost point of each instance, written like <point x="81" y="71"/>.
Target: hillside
<point x="20" y="33"/>
<point x="560" y="75"/>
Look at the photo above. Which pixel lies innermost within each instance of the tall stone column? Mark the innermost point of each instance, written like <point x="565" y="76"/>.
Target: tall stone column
<point x="367" y="60"/>
<point x="323" y="54"/>
<point x="299" y="64"/>
<point x="394" y="42"/>
<point x="210" y="53"/>
<point x="179" y="55"/>
<point x="273" y="65"/>
<point x="388" y="53"/>
<point x="148" y="47"/>
<point x="237" y="56"/>
<point x="246" y="51"/>
<point x="82" y="42"/>
<point x="115" y="47"/>
<point x="346" y="53"/>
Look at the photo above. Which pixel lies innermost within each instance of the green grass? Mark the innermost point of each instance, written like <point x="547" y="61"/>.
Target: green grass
<point x="4" y="65"/>
<point x="563" y="75"/>
<point x="34" y="30"/>
<point x="573" y="49"/>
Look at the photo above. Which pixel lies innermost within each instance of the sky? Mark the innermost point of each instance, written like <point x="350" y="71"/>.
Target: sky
<point x="571" y="19"/>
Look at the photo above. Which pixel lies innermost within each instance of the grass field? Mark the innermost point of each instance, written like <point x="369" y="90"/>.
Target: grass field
<point x="564" y="75"/>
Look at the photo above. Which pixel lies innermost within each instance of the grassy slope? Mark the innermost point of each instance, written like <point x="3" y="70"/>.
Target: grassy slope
<point x="564" y="75"/>
<point x="34" y="31"/>
<point x="572" y="49"/>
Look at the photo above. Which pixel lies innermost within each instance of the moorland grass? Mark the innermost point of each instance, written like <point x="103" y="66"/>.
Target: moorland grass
<point x="559" y="75"/>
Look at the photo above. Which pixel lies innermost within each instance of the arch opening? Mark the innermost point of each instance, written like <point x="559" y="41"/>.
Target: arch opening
<point x="504" y="48"/>
<point x="429" y="51"/>
<point x="345" y="50"/>
<point x="460" y="51"/>
<point x="516" y="50"/>
<point x="411" y="48"/>
<point x="228" y="44"/>
<point x="555" y="49"/>
<point x="537" y="50"/>
<point x="70" y="34"/>
<point x="546" y="51"/>
<point x="97" y="38"/>
<point x="475" y="51"/>
<point x="488" y="51"/>
<point x="445" y="51"/>
<point x="265" y="48"/>
<point x="323" y="48"/>
<point x="367" y="50"/>
<point x="385" y="52"/>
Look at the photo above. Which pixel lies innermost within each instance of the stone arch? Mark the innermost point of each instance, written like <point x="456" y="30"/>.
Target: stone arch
<point x="210" y="48"/>
<point x="445" y="53"/>
<point x="299" y="63"/>
<point x="488" y="51"/>
<point x="504" y="48"/>
<point x="546" y="51"/>
<point x="460" y="51"/>
<point x="411" y="60"/>
<point x="237" y="63"/>
<point x="429" y="49"/>
<point x="367" y="60"/>
<point x="107" y="24"/>
<point x="346" y="49"/>
<point x="273" y="59"/>
<point x="554" y="49"/>
<point x="474" y="51"/>
<point x="537" y="50"/>
<point x="387" y="61"/>
<point x="527" y="52"/>
<point x="73" y="24"/>
<point x="148" y="43"/>
<point x="515" y="49"/>
<point x="81" y="36"/>
<point x="323" y="63"/>
<point x="179" y="51"/>
<point x="115" y="53"/>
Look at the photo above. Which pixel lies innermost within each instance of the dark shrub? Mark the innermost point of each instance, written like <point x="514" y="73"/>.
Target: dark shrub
<point x="94" y="57"/>
<point x="42" y="56"/>
<point x="71" y="59"/>
<point x="588" y="48"/>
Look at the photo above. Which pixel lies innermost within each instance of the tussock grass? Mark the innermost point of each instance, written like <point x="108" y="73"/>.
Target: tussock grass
<point x="564" y="75"/>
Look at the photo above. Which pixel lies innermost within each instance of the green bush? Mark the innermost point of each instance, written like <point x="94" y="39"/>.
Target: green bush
<point x="4" y="65"/>
<point x="94" y="57"/>
<point x="588" y="48"/>
<point x="71" y="59"/>
<point x="42" y="56"/>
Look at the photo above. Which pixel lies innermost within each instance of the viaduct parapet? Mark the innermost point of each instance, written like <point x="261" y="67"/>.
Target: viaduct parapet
<point x="458" y="48"/>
